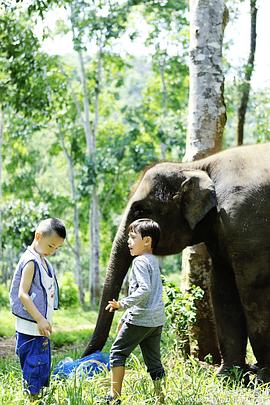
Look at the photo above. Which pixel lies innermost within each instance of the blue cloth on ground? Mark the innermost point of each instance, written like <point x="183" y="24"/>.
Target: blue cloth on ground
<point x="86" y="366"/>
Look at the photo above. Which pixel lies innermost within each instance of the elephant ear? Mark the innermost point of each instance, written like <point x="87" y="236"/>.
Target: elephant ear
<point x="198" y="196"/>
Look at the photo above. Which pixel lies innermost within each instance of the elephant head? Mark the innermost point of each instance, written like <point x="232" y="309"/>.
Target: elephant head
<point x="178" y="200"/>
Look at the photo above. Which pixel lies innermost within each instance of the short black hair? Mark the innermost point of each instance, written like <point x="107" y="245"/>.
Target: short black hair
<point x="49" y="225"/>
<point x="146" y="227"/>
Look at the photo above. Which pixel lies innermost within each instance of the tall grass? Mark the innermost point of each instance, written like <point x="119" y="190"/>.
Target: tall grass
<point x="188" y="382"/>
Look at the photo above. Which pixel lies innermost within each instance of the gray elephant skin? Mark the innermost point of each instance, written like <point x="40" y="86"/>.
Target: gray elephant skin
<point x="224" y="201"/>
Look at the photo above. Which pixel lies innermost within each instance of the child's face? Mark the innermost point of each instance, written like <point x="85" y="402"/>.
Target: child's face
<point x="138" y="245"/>
<point x="47" y="245"/>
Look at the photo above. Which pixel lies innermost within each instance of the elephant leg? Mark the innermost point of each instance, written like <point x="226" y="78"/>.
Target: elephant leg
<point x="260" y="338"/>
<point x="254" y="288"/>
<point x="230" y="318"/>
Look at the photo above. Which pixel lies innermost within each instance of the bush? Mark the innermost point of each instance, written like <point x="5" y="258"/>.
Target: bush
<point x="181" y="312"/>
<point x="4" y="296"/>
<point x="69" y="293"/>
<point x="73" y="337"/>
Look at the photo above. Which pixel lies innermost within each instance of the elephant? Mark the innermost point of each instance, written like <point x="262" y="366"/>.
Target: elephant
<point x="224" y="201"/>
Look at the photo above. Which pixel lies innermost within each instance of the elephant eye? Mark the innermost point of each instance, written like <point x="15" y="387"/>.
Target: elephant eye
<point x="139" y="210"/>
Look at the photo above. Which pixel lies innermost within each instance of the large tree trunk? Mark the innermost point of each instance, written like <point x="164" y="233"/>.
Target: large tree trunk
<point x="207" y="118"/>
<point x="249" y="67"/>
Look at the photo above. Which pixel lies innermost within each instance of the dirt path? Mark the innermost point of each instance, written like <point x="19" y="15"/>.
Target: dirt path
<point x="7" y="346"/>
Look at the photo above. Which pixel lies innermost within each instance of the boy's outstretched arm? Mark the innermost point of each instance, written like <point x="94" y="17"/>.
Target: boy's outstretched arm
<point x="44" y="326"/>
<point x="113" y="305"/>
<point x="140" y="294"/>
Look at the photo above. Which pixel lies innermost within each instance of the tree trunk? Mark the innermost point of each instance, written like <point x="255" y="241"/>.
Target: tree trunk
<point x="206" y="121"/>
<point x="90" y="136"/>
<point x="94" y="281"/>
<point x="163" y="146"/>
<point x="245" y="87"/>
<point x="93" y="210"/>
<point x="119" y="263"/>
<point x="77" y="246"/>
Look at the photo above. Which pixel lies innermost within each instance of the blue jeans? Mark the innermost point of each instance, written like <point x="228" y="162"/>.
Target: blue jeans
<point x="35" y="358"/>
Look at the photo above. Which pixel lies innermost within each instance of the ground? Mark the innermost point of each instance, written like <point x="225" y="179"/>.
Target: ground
<point x="7" y="346"/>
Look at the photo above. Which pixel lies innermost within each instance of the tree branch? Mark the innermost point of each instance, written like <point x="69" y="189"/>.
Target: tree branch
<point x="245" y="88"/>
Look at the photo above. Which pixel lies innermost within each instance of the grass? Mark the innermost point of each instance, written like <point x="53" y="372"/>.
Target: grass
<point x="70" y="326"/>
<point x="188" y="382"/>
<point x="6" y="323"/>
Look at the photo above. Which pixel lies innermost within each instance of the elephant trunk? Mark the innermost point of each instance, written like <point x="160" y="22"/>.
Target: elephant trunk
<point x="120" y="260"/>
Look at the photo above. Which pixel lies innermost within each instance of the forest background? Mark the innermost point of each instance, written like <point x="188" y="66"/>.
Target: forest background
<point x="92" y="91"/>
<point x="78" y="127"/>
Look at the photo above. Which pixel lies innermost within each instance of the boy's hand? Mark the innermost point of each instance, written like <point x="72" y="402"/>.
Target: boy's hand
<point x="113" y="305"/>
<point x="44" y="327"/>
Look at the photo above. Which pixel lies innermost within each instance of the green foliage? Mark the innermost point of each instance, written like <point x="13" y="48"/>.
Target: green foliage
<point x="71" y="326"/>
<point x="69" y="294"/>
<point x="65" y="338"/>
<point x="100" y="21"/>
<point x="20" y="219"/>
<point x="4" y="296"/>
<point x="7" y="322"/>
<point x="142" y="104"/>
<point x="160" y="118"/>
<point x="259" y="105"/>
<point x="181" y="311"/>
<point x="25" y="80"/>
<point x="257" y="129"/>
<point x="138" y="105"/>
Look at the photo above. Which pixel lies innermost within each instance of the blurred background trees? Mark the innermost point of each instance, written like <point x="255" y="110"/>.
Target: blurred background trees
<point x="76" y="128"/>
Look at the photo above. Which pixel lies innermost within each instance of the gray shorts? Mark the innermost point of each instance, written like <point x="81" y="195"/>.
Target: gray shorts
<point x="148" y="338"/>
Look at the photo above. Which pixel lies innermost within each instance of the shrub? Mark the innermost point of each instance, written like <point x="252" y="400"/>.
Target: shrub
<point x="4" y="296"/>
<point x="181" y="312"/>
<point x="69" y="293"/>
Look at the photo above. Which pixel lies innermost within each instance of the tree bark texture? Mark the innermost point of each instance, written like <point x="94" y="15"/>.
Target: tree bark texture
<point x="163" y="146"/>
<point x="90" y="135"/>
<point x="249" y="67"/>
<point x="94" y="211"/>
<point x="207" y="113"/>
<point x="94" y="281"/>
<point x="206" y="121"/>
<point x="90" y="131"/>
<point x="77" y="246"/>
